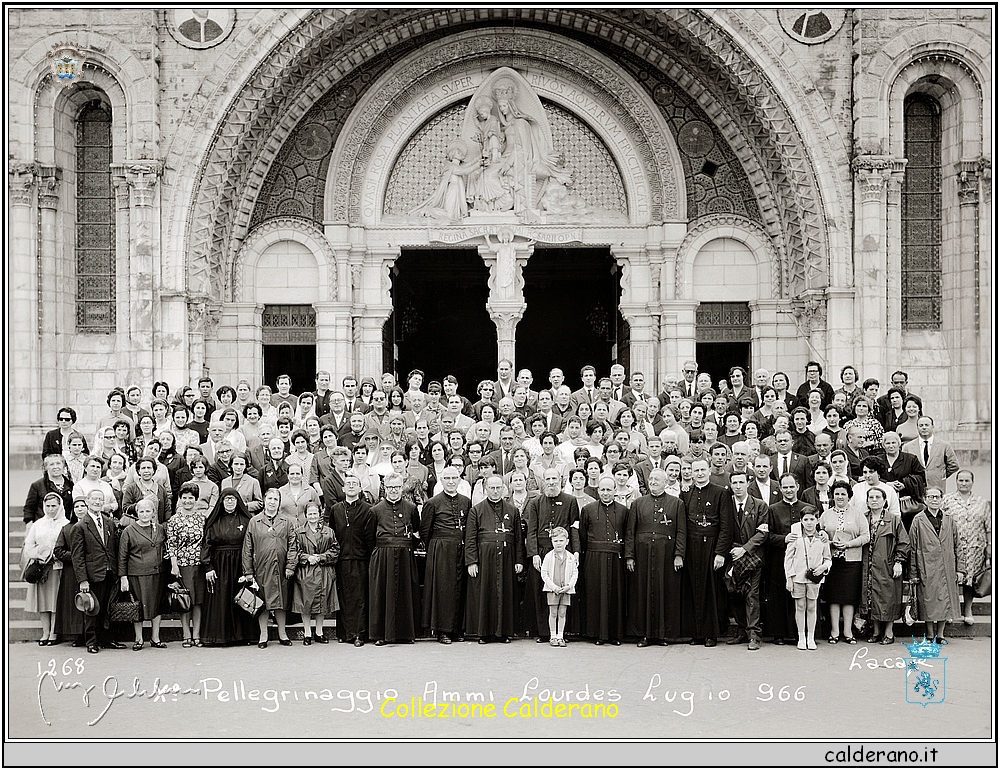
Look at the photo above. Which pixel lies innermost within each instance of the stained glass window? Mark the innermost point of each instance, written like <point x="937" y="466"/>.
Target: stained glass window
<point x="95" y="222"/>
<point x="921" y="214"/>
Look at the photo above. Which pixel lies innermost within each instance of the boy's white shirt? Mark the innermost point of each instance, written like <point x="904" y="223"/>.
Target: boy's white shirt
<point x="572" y="572"/>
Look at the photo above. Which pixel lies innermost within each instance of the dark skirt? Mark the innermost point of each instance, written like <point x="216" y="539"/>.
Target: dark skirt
<point x="69" y="620"/>
<point x="393" y="594"/>
<point x="222" y="622"/>
<point x="193" y="578"/>
<point x="603" y="583"/>
<point x="148" y="589"/>
<point x="352" y="591"/>
<point x="843" y="584"/>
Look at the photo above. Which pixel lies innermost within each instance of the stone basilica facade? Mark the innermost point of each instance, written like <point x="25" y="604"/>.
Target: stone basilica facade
<point x="244" y="192"/>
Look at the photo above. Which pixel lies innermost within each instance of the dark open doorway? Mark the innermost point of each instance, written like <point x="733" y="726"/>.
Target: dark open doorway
<point x="723" y="338"/>
<point x="297" y="361"/>
<point x="572" y="316"/>
<point x="439" y="322"/>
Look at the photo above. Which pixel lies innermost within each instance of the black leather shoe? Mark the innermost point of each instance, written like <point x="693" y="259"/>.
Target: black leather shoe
<point x="380" y="642"/>
<point x="443" y="639"/>
<point x="359" y="642"/>
<point x="113" y="645"/>
<point x="483" y="640"/>
<point x="405" y="641"/>
<point x="320" y="639"/>
<point x="693" y="642"/>
<point x="616" y="642"/>
<point x="710" y="642"/>
<point x="80" y="642"/>
<point x="738" y="639"/>
<point x="598" y="642"/>
<point x="504" y="640"/>
<point x="262" y="645"/>
<point x="644" y="642"/>
<point x="458" y="638"/>
<point x="93" y="648"/>
<point x="285" y="642"/>
<point x="542" y="640"/>
<point x="307" y="641"/>
<point x="779" y="641"/>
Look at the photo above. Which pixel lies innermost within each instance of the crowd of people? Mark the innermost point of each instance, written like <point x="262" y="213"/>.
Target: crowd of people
<point x="603" y="513"/>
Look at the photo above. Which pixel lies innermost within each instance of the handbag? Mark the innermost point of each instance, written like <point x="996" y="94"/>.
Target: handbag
<point x="124" y="607"/>
<point x="908" y="506"/>
<point x="248" y="600"/>
<point x="178" y="597"/>
<point x="983" y="583"/>
<point x="36" y="571"/>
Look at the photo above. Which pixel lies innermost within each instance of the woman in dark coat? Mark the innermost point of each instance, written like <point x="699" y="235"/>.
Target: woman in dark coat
<point x="315" y="590"/>
<point x="141" y="562"/>
<point x="55" y="478"/>
<point x="885" y="555"/>
<point x="222" y="622"/>
<point x="270" y="555"/>
<point x="69" y="620"/>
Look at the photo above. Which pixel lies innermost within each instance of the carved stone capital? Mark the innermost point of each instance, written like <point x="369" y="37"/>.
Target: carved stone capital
<point x="139" y="177"/>
<point x="506" y="258"/>
<point x="506" y="318"/>
<point x="874" y="172"/>
<point x="969" y="174"/>
<point x="203" y="317"/>
<point x="23" y="177"/>
<point x="809" y="310"/>
<point x="48" y="187"/>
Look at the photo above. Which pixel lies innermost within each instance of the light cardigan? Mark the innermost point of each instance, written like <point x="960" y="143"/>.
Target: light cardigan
<point x="856" y="529"/>
<point x="548" y="566"/>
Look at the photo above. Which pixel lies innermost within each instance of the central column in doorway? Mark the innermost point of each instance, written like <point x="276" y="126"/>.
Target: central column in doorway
<point x="506" y="256"/>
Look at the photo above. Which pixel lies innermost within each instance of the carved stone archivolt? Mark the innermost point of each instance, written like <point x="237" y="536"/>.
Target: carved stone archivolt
<point x="326" y="45"/>
<point x="297" y="229"/>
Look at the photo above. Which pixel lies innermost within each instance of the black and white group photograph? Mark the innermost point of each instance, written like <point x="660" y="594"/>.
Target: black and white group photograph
<point x="390" y="383"/>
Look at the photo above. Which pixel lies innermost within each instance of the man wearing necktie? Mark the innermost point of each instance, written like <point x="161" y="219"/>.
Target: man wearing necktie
<point x="94" y="547"/>
<point x="749" y="537"/>
<point x="937" y="456"/>
<point x="690" y="378"/>
<point x="586" y="394"/>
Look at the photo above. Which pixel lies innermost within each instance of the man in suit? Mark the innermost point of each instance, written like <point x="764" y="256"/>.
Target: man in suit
<point x="351" y="433"/>
<point x="763" y="487"/>
<point x="690" y="385"/>
<point x="556" y="380"/>
<point x="588" y="393"/>
<point x="749" y="536"/>
<point x="900" y="380"/>
<point x="937" y="456"/>
<point x="503" y="387"/>
<point x="525" y="379"/>
<point x="855" y="452"/>
<point x="824" y="445"/>
<point x="761" y="380"/>
<point x="618" y="388"/>
<point x="654" y="461"/>
<point x="502" y="457"/>
<point x="337" y="415"/>
<point x="216" y="432"/>
<point x="257" y="457"/>
<point x="94" y="548"/>
<point x="564" y="406"/>
<point x="635" y="391"/>
<point x="553" y="421"/>
<point x="787" y="461"/>
<point x="604" y="389"/>
<point x="352" y="401"/>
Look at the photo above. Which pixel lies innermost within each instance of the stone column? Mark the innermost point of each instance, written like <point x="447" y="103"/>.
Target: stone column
<point x="138" y="180"/>
<point x="871" y="258"/>
<point x="678" y="331"/>
<point x="963" y="325"/>
<point x="334" y="340"/>
<point x="639" y="300"/>
<point x="841" y="331"/>
<point x="22" y="294"/>
<point x="506" y="259"/>
<point x="809" y="311"/>
<point x="50" y="371"/>
<point x="245" y="317"/>
<point x="372" y="307"/>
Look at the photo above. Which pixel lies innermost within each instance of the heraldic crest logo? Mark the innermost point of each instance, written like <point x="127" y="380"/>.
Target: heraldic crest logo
<point x="925" y="672"/>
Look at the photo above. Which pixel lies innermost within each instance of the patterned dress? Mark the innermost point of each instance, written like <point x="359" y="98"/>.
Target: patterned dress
<point x="185" y="535"/>
<point x="975" y="532"/>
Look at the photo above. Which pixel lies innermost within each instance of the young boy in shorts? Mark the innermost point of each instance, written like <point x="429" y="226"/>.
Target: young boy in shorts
<point x="807" y="555"/>
<point x="559" y="574"/>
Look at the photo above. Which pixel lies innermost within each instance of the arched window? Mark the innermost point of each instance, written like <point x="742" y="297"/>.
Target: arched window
<point x="95" y="221"/>
<point x="921" y="214"/>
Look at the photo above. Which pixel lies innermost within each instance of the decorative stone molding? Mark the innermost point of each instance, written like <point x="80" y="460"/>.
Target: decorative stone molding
<point x="873" y="173"/>
<point x="969" y="174"/>
<point x="140" y="177"/>
<point x="809" y="310"/>
<point x="297" y="229"/>
<point x="23" y="177"/>
<point x="326" y="45"/>
<point x="506" y="259"/>
<point x="48" y="188"/>
<point x="707" y="229"/>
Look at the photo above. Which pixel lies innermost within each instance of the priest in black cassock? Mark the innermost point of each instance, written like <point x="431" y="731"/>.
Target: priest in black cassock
<point x="655" y="544"/>
<point x="779" y="607"/>
<point x="552" y="509"/>
<point x="493" y="558"/>
<point x="709" y="539"/>
<point x="353" y="523"/>
<point x="394" y="585"/>
<point x="442" y="528"/>
<point x="602" y="547"/>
